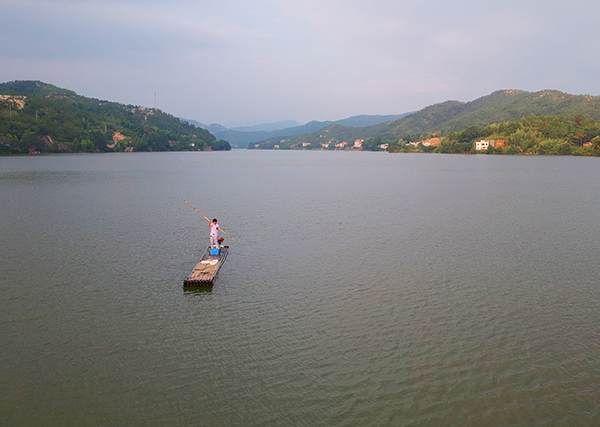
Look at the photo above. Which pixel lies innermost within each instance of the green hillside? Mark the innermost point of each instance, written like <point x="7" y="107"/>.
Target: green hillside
<point x="547" y="135"/>
<point x="40" y="117"/>
<point x="509" y="105"/>
<point x="449" y="116"/>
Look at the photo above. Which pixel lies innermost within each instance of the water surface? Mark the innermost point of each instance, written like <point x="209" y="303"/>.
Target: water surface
<point x="366" y="289"/>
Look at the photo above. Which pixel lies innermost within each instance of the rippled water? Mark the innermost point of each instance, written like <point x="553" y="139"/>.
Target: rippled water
<point x="365" y="289"/>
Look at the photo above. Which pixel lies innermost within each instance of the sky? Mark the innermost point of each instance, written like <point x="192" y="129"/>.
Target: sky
<point x="238" y="62"/>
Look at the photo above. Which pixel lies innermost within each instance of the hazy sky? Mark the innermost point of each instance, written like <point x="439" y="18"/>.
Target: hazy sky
<point x="240" y="62"/>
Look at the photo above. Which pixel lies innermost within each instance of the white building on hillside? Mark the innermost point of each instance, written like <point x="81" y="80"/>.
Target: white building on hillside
<point x="483" y="144"/>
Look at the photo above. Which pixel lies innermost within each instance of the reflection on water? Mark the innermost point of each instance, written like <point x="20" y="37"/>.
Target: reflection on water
<point x="197" y="289"/>
<point x="364" y="289"/>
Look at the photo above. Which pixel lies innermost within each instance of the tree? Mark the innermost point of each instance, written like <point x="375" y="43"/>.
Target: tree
<point x="579" y="137"/>
<point x="99" y="139"/>
<point x="428" y="148"/>
<point x="30" y="141"/>
<point x="372" y="144"/>
<point x="469" y="134"/>
<point x="565" y="148"/>
<point x="221" y="144"/>
<point x="512" y="150"/>
<point x="87" y="146"/>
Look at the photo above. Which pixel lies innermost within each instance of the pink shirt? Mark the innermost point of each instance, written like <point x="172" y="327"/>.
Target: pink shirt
<point x="214" y="229"/>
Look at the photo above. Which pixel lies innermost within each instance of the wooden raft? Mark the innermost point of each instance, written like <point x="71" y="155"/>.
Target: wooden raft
<point x="205" y="271"/>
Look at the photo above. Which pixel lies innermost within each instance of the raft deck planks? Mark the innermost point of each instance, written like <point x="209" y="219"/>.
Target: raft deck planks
<point x="204" y="274"/>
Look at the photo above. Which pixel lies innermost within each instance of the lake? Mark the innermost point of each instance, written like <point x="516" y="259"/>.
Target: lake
<point x="365" y="289"/>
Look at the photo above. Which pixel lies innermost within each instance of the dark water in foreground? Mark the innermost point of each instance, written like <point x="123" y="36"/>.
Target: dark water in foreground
<point x="365" y="290"/>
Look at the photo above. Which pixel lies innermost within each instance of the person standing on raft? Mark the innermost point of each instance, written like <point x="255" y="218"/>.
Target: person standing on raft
<point x="214" y="234"/>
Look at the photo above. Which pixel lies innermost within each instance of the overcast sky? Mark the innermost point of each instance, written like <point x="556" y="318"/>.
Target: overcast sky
<point x="240" y="62"/>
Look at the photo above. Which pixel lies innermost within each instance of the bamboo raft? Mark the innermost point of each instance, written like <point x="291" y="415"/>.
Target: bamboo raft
<point x="206" y="270"/>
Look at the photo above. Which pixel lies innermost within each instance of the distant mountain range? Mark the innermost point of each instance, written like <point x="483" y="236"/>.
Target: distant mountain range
<point x="500" y="106"/>
<point x="243" y="136"/>
<point x="36" y="116"/>
<point x="263" y="127"/>
<point x="268" y="127"/>
<point x="212" y="128"/>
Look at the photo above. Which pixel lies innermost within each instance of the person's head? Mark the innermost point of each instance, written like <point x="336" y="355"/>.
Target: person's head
<point x="215" y="221"/>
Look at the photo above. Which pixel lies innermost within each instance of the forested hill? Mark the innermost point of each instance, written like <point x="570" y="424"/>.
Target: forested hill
<point x="500" y="106"/>
<point x="40" y="117"/>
